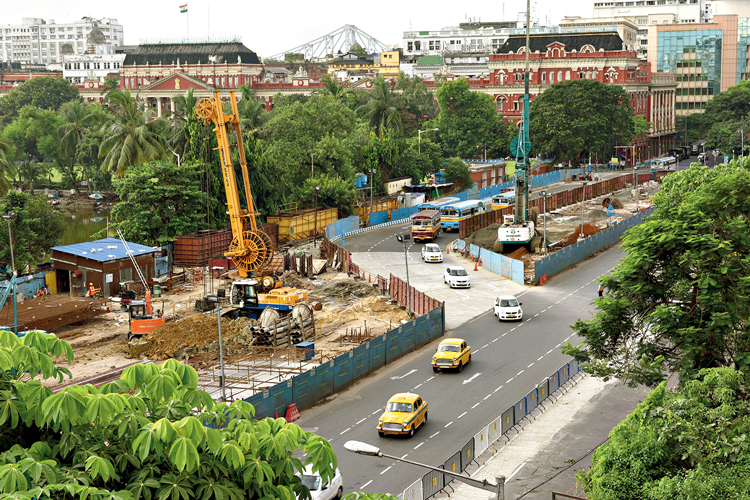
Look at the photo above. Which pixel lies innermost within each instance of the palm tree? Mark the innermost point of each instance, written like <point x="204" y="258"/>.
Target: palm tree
<point x="333" y="88"/>
<point x="252" y="111"/>
<point x="6" y="167"/>
<point x="185" y="109"/>
<point x="131" y="136"/>
<point x="380" y="110"/>
<point x="78" y="117"/>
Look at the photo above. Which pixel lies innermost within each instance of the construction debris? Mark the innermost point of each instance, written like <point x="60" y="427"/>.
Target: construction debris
<point x="346" y="289"/>
<point x="50" y="312"/>
<point x="485" y="237"/>
<point x="195" y="334"/>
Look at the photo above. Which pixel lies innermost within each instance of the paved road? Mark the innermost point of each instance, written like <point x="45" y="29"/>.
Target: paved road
<point x="508" y="360"/>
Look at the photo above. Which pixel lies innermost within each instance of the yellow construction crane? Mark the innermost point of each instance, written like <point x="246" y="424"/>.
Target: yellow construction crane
<point x="251" y="249"/>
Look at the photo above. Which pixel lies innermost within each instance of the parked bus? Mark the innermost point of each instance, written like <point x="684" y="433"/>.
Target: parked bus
<point x="507" y="198"/>
<point x="451" y="215"/>
<point x="425" y="225"/>
<point x="666" y="163"/>
<point x="436" y="204"/>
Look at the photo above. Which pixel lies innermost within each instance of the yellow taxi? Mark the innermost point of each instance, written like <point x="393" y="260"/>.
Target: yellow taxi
<point x="451" y="354"/>
<point x="403" y="414"/>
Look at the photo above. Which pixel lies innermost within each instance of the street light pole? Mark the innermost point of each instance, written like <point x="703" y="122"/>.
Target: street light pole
<point x="312" y="165"/>
<point x="372" y="181"/>
<point x="419" y="138"/>
<point x="544" y="204"/>
<point x="8" y="217"/>
<point x="742" y="137"/>
<point x="315" y="235"/>
<point x="403" y="239"/>
<point x="583" y="205"/>
<point x="636" y="189"/>
<point x="220" y="293"/>
<point x="373" y="451"/>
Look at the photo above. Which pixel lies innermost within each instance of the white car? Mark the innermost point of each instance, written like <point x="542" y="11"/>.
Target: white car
<point x="431" y="253"/>
<point x="507" y="307"/>
<point x="320" y="490"/>
<point x="457" y="277"/>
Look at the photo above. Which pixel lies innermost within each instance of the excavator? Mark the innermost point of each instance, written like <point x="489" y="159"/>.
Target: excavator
<point x="251" y="249"/>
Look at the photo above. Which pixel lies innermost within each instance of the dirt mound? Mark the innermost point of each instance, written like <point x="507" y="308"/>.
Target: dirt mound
<point x="294" y="280"/>
<point x="485" y="237"/>
<point x="519" y="254"/>
<point x="347" y="288"/>
<point x="588" y="230"/>
<point x="194" y="334"/>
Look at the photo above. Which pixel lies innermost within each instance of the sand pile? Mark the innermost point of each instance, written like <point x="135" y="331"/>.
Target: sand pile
<point x="194" y="334"/>
<point x="347" y="289"/>
<point x="294" y="280"/>
<point x="485" y="237"/>
<point x="588" y="230"/>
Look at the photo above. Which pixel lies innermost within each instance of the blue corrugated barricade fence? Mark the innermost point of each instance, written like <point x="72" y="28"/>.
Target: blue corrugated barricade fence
<point x="323" y="380"/>
<point x="342" y="370"/>
<point x="467" y="454"/>
<point x="393" y="344"/>
<point x="519" y="410"/>
<point x="424" y="329"/>
<point x="408" y="335"/>
<point x="378" y="218"/>
<point x="531" y="400"/>
<point x="517" y="271"/>
<point x="280" y="396"/>
<point x="377" y="352"/>
<point x="361" y="360"/>
<point x="257" y="401"/>
<point x="572" y="367"/>
<point x="502" y="265"/>
<point x="302" y="390"/>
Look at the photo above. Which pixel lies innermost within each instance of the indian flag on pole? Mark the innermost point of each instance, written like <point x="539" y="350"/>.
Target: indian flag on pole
<point x="183" y="8"/>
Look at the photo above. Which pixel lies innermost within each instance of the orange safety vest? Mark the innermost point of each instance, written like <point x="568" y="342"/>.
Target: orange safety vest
<point x="91" y="291"/>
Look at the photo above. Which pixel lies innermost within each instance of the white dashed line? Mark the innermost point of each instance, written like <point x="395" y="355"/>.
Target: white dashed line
<point x="464" y="413"/>
<point x="476" y="405"/>
<point x="532" y="364"/>
<point x="486" y="345"/>
<point x="345" y="430"/>
<point x="376" y="411"/>
<point x="418" y="386"/>
<point x="550" y="350"/>
<point x="420" y="444"/>
<point x="365" y="485"/>
<point x="361" y="421"/>
<point x="517" y="374"/>
<point x="498" y="388"/>
<point x="438" y="432"/>
<point x="386" y="470"/>
<point x="405" y="455"/>
<point x="540" y="358"/>
<point x="509" y="381"/>
<point x="449" y="423"/>
<point x="487" y="396"/>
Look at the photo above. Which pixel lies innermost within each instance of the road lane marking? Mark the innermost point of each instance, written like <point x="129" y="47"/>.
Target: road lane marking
<point x="405" y="455"/>
<point x="345" y="430"/>
<point x="485" y="345"/>
<point x="438" y="432"/>
<point x="471" y="378"/>
<point x="498" y="388"/>
<point x="361" y="421"/>
<point x="420" y="444"/>
<point x="464" y="413"/>
<point x="509" y="381"/>
<point x="365" y="485"/>
<point x="376" y="411"/>
<point x="540" y="358"/>
<point x="386" y="470"/>
<point x="532" y="364"/>
<point x="517" y="374"/>
<point x="518" y="469"/>
<point x="476" y="405"/>
<point x="404" y="376"/>
<point x="487" y="396"/>
<point x="550" y="350"/>
<point x="449" y="423"/>
<point x="429" y="379"/>
<point x="418" y="386"/>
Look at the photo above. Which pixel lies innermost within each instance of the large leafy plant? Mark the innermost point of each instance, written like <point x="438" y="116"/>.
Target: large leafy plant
<point x="152" y="434"/>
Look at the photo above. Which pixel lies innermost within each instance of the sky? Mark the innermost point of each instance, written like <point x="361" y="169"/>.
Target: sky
<point x="269" y="28"/>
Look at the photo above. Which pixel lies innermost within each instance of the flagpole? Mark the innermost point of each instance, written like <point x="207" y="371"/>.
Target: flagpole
<point x="187" y="24"/>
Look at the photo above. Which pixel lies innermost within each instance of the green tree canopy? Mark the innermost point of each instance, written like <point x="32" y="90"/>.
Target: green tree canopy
<point x="457" y="172"/>
<point x="689" y="444"/>
<point x="6" y="167"/>
<point x="577" y="118"/>
<point x="381" y="108"/>
<point x="131" y="136"/>
<point x="680" y="298"/>
<point x="466" y="121"/>
<point x="45" y="92"/>
<point x="732" y="104"/>
<point x="150" y="434"/>
<point x="35" y="226"/>
<point x="158" y="202"/>
<point x="34" y="133"/>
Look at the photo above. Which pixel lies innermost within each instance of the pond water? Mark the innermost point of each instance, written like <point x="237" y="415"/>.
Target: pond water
<point x="81" y="224"/>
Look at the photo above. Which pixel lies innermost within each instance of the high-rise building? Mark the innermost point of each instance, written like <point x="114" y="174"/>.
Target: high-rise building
<point x="707" y="58"/>
<point x="39" y="41"/>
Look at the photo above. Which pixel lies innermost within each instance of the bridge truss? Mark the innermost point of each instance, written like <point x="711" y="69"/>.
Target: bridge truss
<point x="339" y="40"/>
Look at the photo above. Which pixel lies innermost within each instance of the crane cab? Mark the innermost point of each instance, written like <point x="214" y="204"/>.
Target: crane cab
<point x="141" y="319"/>
<point x="244" y="293"/>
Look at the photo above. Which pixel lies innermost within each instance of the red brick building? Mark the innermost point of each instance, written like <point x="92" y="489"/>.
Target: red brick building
<point x="576" y="56"/>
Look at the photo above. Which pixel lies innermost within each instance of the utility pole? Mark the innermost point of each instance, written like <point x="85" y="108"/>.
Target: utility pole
<point x="403" y="239"/>
<point x="372" y="181"/>
<point x="544" y="203"/>
<point x="312" y="165"/>
<point x="315" y="234"/>
<point x="583" y="205"/>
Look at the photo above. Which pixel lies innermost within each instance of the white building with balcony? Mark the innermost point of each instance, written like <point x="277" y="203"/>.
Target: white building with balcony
<point x="40" y="41"/>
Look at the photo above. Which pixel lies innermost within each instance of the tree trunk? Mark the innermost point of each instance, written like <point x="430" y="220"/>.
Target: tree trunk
<point x="86" y="174"/>
<point x="72" y="174"/>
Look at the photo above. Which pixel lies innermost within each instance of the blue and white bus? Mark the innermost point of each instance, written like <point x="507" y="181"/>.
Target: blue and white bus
<point x="452" y="215"/>
<point x="507" y="198"/>
<point x="436" y="204"/>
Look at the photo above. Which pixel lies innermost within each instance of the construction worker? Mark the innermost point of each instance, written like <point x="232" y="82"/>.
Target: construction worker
<point x="92" y="290"/>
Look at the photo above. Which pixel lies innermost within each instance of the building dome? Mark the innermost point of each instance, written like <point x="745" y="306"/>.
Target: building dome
<point x="67" y="49"/>
<point x="95" y="36"/>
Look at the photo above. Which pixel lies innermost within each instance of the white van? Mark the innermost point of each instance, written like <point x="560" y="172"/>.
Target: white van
<point x="321" y="490"/>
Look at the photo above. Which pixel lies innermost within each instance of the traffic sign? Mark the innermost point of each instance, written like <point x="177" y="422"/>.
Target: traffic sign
<point x="610" y="210"/>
